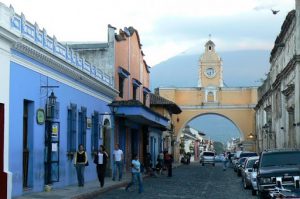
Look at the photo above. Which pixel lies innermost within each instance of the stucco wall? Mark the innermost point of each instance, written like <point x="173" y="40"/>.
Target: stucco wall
<point x="26" y="84"/>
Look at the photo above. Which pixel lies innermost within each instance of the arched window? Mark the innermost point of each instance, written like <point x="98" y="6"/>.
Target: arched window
<point x="210" y="97"/>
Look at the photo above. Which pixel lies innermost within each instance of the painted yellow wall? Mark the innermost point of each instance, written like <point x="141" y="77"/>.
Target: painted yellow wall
<point x="240" y="100"/>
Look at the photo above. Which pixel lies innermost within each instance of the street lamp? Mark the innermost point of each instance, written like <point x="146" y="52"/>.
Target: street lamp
<point x="251" y="136"/>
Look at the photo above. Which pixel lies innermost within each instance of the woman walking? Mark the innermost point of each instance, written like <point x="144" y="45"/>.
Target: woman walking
<point x="80" y="160"/>
<point x="136" y="174"/>
<point x="100" y="160"/>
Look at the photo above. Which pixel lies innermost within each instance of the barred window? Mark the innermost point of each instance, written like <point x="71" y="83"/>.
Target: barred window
<point x="72" y="116"/>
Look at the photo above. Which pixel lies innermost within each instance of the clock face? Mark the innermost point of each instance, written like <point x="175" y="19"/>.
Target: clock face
<point x="210" y="72"/>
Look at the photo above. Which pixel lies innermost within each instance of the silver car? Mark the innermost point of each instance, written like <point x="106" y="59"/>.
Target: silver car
<point x="253" y="182"/>
<point x="247" y="170"/>
<point x="207" y="157"/>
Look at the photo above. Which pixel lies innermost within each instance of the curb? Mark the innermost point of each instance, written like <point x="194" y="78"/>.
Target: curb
<point x="94" y="194"/>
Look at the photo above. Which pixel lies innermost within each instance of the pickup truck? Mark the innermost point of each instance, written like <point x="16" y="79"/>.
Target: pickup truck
<point x="277" y="168"/>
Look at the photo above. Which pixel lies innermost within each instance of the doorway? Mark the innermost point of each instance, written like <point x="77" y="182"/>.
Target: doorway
<point x="106" y="132"/>
<point x="134" y="142"/>
<point x="27" y="143"/>
<point x="3" y="175"/>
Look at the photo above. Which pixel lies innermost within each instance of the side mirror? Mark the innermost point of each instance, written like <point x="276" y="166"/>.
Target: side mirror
<point x="255" y="166"/>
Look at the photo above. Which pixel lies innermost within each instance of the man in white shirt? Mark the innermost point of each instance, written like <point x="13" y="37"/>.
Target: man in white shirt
<point x="118" y="162"/>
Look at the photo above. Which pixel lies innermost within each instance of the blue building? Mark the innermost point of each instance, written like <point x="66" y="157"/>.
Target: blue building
<point x="54" y="100"/>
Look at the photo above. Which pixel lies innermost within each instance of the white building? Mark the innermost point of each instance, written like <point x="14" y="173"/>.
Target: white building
<point x="278" y="108"/>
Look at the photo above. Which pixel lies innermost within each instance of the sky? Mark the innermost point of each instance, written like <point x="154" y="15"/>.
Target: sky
<point x="166" y="27"/>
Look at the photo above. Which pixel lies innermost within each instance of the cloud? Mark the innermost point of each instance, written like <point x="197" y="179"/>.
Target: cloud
<point x="161" y="24"/>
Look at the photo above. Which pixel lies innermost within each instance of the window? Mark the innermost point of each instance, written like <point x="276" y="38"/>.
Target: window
<point x="95" y="132"/>
<point x="210" y="97"/>
<point x="123" y="74"/>
<point x="134" y="90"/>
<point x="72" y="115"/>
<point x="82" y="127"/>
<point x="209" y="47"/>
<point x="121" y="86"/>
<point x="144" y="98"/>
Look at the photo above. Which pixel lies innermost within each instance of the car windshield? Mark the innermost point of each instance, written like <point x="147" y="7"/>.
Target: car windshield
<point x="250" y="163"/>
<point x="280" y="158"/>
<point x="208" y="154"/>
<point x="248" y="154"/>
<point x="242" y="160"/>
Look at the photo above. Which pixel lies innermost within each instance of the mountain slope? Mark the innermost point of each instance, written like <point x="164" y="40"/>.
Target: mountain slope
<point x="240" y="68"/>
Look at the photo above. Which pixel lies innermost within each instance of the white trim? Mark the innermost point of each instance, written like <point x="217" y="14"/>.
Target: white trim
<point x="202" y="88"/>
<point x="213" y="106"/>
<point x="57" y="77"/>
<point x="4" y="98"/>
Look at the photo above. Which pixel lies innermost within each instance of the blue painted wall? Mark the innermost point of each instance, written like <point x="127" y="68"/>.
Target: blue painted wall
<point x="25" y="84"/>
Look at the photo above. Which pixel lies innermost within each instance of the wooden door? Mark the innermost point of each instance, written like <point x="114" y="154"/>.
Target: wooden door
<point x="3" y="175"/>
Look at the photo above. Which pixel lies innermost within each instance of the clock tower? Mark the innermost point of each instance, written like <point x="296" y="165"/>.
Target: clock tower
<point x="210" y="67"/>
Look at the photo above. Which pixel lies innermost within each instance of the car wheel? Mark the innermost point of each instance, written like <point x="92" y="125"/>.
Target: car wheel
<point x="202" y="164"/>
<point x="253" y="192"/>
<point x="213" y="164"/>
<point x="245" y="184"/>
<point x="238" y="173"/>
<point x="260" y="195"/>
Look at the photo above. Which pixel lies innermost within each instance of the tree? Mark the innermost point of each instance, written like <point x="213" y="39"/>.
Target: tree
<point x="219" y="147"/>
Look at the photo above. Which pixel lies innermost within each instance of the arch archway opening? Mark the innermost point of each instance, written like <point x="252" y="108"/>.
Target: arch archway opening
<point x="210" y="131"/>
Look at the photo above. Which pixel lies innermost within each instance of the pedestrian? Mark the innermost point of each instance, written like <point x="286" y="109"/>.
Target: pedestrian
<point x="101" y="160"/>
<point x="118" y="162"/>
<point x="80" y="161"/>
<point x="160" y="158"/>
<point x="225" y="161"/>
<point x="148" y="165"/>
<point x="168" y="159"/>
<point x="136" y="174"/>
<point x="188" y="157"/>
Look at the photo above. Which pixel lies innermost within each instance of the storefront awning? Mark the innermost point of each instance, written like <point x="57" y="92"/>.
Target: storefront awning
<point x="137" y="112"/>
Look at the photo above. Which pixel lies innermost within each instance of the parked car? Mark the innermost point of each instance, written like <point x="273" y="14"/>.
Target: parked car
<point x="253" y="182"/>
<point x="277" y="168"/>
<point x="247" y="170"/>
<point x="240" y="164"/>
<point x="207" y="157"/>
<point x="231" y="157"/>
<point x="239" y="155"/>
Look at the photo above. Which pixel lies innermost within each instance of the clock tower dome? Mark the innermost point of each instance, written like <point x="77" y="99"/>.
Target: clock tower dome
<point x="210" y="67"/>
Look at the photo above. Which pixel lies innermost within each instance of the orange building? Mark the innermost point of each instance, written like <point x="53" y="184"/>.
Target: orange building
<point x="131" y="120"/>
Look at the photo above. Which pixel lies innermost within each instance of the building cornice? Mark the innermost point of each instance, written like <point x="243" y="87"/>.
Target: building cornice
<point x="44" y="57"/>
<point x="205" y="88"/>
<point x="285" y="72"/>
<point x="35" y="43"/>
<point x="237" y="107"/>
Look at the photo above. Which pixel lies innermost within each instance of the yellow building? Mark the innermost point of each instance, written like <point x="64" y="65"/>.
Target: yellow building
<point x="211" y="97"/>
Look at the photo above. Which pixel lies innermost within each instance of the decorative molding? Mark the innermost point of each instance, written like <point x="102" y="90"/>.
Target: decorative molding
<point x="25" y="32"/>
<point x="289" y="90"/>
<point x="100" y="94"/>
<point x="214" y="106"/>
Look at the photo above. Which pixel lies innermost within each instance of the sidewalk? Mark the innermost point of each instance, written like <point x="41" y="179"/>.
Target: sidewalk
<point x="90" y="190"/>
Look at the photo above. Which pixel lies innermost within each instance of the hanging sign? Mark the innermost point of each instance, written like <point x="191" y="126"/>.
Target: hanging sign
<point x="40" y="116"/>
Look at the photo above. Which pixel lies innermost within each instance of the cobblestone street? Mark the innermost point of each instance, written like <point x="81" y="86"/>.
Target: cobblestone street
<point x="189" y="181"/>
